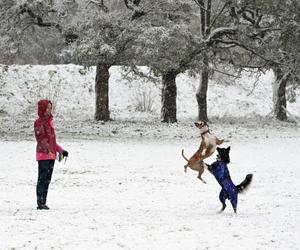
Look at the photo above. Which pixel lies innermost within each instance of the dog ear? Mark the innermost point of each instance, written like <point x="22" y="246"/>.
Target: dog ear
<point x="218" y="149"/>
<point x="228" y="148"/>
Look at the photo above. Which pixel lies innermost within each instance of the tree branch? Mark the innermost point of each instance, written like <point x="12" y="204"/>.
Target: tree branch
<point x="218" y="32"/>
<point x="225" y="73"/>
<point x="216" y="17"/>
<point x="38" y="20"/>
<point x="100" y="4"/>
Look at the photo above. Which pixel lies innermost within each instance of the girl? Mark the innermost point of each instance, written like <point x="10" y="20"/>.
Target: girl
<point x="46" y="150"/>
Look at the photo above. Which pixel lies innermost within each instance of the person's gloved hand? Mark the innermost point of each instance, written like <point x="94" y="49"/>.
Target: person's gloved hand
<point x="65" y="153"/>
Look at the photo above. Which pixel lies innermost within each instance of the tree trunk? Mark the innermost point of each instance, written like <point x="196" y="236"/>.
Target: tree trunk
<point x="101" y="92"/>
<point x="279" y="98"/>
<point x="202" y="18"/>
<point x="169" y="94"/>
<point x="201" y="94"/>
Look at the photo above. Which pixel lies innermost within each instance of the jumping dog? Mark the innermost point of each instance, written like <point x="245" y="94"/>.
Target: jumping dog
<point x="207" y="147"/>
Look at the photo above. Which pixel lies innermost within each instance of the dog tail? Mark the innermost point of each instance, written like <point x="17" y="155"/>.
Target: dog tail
<point x="183" y="155"/>
<point x="244" y="185"/>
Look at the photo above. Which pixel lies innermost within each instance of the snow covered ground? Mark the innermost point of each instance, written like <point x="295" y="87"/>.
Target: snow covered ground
<point x="123" y="186"/>
<point x="235" y="109"/>
<point x="134" y="194"/>
<point x="71" y="88"/>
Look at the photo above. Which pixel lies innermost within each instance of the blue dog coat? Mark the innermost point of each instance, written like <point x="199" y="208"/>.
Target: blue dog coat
<point x="229" y="191"/>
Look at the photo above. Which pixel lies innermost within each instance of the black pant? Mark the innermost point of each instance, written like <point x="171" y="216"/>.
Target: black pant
<point x="44" y="179"/>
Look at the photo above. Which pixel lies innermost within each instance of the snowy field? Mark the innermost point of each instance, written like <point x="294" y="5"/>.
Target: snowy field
<point x="134" y="194"/>
<point x="124" y="187"/>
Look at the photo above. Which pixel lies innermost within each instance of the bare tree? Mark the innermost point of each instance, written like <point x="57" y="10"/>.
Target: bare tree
<point x="232" y="31"/>
<point x="285" y="53"/>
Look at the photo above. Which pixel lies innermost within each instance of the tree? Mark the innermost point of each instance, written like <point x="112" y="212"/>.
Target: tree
<point x="275" y="35"/>
<point x="162" y="50"/>
<point x="167" y="46"/>
<point x="285" y="51"/>
<point x="276" y="45"/>
<point x="233" y="32"/>
<point x="103" y="41"/>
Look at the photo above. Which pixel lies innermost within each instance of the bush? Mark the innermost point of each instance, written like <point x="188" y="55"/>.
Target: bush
<point x="143" y="98"/>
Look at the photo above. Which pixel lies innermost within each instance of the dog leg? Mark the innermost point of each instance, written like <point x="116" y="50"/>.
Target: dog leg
<point x="223" y="207"/>
<point x="223" y="196"/>
<point x="233" y="200"/>
<point x="206" y="166"/>
<point x="200" y="178"/>
<point x="185" y="167"/>
<point x="201" y="170"/>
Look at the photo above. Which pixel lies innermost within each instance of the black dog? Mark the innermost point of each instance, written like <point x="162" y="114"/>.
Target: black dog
<point x="220" y="171"/>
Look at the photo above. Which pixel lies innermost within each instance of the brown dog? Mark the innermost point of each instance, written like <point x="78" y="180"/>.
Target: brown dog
<point x="207" y="147"/>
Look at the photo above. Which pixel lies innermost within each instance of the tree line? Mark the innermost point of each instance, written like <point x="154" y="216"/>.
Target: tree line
<point x="169" y="36"/>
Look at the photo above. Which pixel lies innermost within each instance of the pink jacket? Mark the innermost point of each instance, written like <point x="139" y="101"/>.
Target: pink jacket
<point x="47" y="147"/>
<point x="50" y="156"/>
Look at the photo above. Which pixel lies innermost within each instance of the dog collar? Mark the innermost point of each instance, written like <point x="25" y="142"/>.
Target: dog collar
<point x="207" y="131"/>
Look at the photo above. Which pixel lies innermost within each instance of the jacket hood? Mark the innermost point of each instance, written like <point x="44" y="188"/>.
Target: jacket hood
<point x="42" y="107"/>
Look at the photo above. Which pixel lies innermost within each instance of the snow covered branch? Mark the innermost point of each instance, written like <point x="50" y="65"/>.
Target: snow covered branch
<point x="38" y="19"/>
<point x="221" y="31"/>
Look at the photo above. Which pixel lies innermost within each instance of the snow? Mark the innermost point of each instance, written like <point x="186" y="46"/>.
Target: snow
<point x="123" y="185"/>
<point x="71" y="88"/>
<point x="116" y="194"/>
